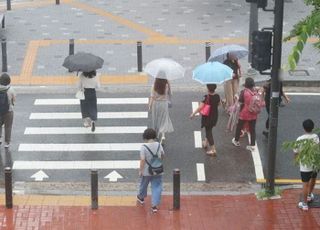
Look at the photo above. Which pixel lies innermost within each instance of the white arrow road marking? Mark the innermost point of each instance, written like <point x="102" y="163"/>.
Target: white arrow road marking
<point x="83" y="130"/>
<point x="39" y="176"/>
<point x="109" y="101"/>
<point x="197" y="139"/>
<point x="113" y="176"/>
<point x="64" y="165"/>
<point x="80" y="147"/>
<point x="101" y="115"/>
<point x="201" y="175"/>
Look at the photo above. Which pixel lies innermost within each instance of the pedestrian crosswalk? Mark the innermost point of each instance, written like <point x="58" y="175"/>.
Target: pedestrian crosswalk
<point x="51" y="131"/>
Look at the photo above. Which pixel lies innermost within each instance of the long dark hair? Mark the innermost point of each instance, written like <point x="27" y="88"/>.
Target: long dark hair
<point x="160" y="86"/>
<point x="90" y="74"/>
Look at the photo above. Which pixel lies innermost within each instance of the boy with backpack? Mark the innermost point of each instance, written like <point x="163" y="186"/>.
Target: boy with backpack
<point x="151" y="169"/>
<point x="7" y="100"/>
<point x="308" y="174"/>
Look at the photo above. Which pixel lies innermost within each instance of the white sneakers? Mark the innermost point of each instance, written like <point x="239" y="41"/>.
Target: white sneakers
<point x="235" y="143"/>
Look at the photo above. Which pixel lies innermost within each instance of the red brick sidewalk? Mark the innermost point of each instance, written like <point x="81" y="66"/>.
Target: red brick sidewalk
<point x="197" y="212"/>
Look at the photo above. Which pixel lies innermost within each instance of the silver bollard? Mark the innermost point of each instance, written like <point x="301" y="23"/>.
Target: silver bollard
<point x="94" y="189"/>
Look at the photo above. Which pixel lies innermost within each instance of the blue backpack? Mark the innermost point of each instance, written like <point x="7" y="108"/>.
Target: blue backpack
<point x="4" y="102"/>
<point x="155" y="164"/>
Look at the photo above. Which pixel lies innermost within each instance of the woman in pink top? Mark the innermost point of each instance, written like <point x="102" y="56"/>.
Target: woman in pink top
<point x="245" y="115"/>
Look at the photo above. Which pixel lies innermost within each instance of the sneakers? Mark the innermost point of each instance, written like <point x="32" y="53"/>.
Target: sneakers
<point x="310" y="197"/>
<point x="6" y="145"/>
<point x="250" y="148"/>
<point x="235" y="143"/>
<point x="140" y="200"/>
<point x="154" y="209"/>
<point x="93" y="126"/>
<point x="303" y="206"/>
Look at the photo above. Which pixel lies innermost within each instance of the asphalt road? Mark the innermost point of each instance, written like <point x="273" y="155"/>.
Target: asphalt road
<point x="39" y="151"/>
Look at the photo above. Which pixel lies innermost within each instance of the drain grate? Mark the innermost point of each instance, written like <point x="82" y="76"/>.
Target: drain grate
<point x="299" y="72"/>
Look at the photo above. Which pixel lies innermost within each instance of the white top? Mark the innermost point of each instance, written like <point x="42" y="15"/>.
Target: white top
<point x="304" y="168"/>
<point x="88" y="83"/>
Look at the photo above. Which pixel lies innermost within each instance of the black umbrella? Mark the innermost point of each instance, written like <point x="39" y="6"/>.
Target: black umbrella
<point x="84" y="62"/>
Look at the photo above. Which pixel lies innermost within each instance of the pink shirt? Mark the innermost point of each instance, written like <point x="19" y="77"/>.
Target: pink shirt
<point x="245" y="114"/>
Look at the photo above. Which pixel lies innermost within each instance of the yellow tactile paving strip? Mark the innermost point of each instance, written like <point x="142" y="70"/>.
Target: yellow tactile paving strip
<point x="284" y="181"/>
<point x="46" y="200"/>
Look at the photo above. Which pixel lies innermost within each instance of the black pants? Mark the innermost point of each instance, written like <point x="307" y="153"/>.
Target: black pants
<point x="209" y="135"/>
<point x="252" y="129"/>
<point x="267" y="121"/>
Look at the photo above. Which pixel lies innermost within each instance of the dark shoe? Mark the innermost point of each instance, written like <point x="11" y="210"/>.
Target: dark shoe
<point x="265" y="133"/>
<point x="140" y="200"/>
<point x="93" y="126"/>
<point x="154" y="209"/>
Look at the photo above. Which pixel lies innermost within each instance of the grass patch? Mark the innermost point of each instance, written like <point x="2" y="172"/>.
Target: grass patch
<point x="264" y="194"/>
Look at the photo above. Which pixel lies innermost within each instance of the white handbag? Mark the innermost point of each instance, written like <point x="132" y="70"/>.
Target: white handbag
<point x="80" y="95"/>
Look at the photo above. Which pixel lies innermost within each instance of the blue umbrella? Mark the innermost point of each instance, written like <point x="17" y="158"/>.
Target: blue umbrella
<point x="220" y="54"/>
<point x="212" y="73"/>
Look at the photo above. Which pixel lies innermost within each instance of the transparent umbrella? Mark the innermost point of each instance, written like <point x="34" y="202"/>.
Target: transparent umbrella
<point x="165" y="68"/>
<point x="220" y="54"/>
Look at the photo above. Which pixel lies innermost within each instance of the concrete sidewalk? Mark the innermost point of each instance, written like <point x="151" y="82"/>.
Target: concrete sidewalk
<point x="197" y="212"/>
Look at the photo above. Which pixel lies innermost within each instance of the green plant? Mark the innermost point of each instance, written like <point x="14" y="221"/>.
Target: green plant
<point x="307" y="27"/>
<point x="308" y="151"/>
<point x="265" y="194"/>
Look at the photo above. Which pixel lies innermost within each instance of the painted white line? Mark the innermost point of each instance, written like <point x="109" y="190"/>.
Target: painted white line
<point x="195" y="105"/>
<point x="80" y="147"/>
<point x="197" y="139"/>
<point x="201" y="176"/>
<point x="302" y="94"/>
<point x="101" y="115"/>
<point x="109" y="101"/>
<point x="257" y="162"/>
<point x="83" y="130"/>
<point x="60" y="165"/>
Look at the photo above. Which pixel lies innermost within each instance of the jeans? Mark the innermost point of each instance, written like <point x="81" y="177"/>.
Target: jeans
<point x="209" y="135"/>
<point x="252" y="129"/>
<point x="6" y="120"/>
<point x="156" y="188"/>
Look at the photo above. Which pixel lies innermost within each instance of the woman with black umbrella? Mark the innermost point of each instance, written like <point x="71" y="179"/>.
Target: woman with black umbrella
<point x="88" y="83"/>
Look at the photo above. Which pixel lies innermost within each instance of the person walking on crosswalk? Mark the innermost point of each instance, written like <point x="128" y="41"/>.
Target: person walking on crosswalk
<point x="159" y="103"/>
<point x="7" y="101"/>
<point x="89" y="82"/>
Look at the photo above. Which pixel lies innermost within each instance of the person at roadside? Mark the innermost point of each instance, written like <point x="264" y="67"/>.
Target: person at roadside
<point x="159" y="103"/>
<point x="308" y="174"/>
<point x="150" y="147"/>
<point x="209" y="121"/>
<point x="89" y="82"/>
<point x="7" y="102"/>
<point x="267" y="95"/>
<point x="245" y="115"/>
<point x="231" y="87"/>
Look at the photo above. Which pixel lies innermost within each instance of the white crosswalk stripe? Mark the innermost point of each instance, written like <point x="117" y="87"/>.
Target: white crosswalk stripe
<point x="83" y="130"/>
<point x="53" y="146"/>
<point x="101" y="115"/>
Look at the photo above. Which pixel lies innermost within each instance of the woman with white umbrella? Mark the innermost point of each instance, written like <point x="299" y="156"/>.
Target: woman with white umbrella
<point x="162" y="70"/>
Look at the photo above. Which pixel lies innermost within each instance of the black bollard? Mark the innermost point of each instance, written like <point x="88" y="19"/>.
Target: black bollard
<point x="57" y="2"/>
<point x="8" y="4"/>
<point x="71" y="46"/>
<point x="94" y="189"/>
<point x="176" y="189"/>
<point x="4" y="56"/>
<point x="208" y="50"/>
<point x="8" y="186"/>
<point x="139" y="55"/>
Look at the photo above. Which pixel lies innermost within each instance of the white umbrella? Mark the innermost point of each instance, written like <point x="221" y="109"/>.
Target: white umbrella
<point x="220" y="54"/>
<point x="165" y="68"/>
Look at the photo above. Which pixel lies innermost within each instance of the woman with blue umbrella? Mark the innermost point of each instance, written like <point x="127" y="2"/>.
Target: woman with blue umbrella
<point x="210" y="74"/>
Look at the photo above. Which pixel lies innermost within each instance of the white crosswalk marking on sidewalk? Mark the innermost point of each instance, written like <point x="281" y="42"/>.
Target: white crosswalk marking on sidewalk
<point x="65" y="165"/>
<point x="71" y="147"/>
<point x="101" y="115"/>
<point x="110" y="101"/>
<point x="83" y="130"/>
